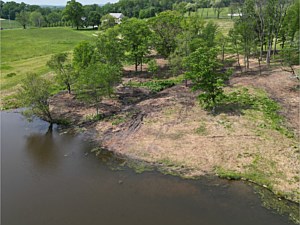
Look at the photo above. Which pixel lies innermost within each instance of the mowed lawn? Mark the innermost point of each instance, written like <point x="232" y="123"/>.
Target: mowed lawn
<point x="27" y="51"/>
<point x="225" y="22"/>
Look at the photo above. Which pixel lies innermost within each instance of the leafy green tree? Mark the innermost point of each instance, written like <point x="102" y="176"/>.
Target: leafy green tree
<point x="109" y="47"/>
<point x="204" y="70"/>
<point x="166" y="27"/>
<point x="245" y="28"/>
<point x="136" y="38"/>
<point x="234" y="39"/>
<point x="74" y="12"/>
<point x="97" y="81"/>
<point x="180" y="7"/>
<point x="37" y="19"/>
<point x="290" y="58"/>
<point x="107" y="21"/>
<point x="233" y="8"/>
<point x="147" y="13"/>
<point x="152" y="67"/>
<point x="53" y="17"/>
<point x="23" y="18"/>
<point x="222" y="41"/>
<point x="190" y="7"/>
<point x="34" y="93"/>
<point x="65" y="73"/>
<point x="219" y="7"/>
<point x="83" y="55"/>
<point x="94" y="18"/>
<point x="291" y="24"/>
<point x="209" y="34"/>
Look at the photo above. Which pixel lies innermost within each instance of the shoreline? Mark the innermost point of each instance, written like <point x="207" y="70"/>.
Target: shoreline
<point x="170" y="131"/>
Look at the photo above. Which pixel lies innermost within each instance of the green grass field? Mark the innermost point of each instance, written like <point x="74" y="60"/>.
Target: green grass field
<point x="12" y="24"/>
<point x="225" y="22"/>
<point x="27" y="51"/>
<point x="210" y="13"/>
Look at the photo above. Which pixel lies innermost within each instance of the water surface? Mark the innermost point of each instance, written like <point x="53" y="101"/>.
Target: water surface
<point x="52" y="179"/>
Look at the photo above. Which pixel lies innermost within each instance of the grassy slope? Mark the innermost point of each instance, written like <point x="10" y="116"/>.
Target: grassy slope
<point x="210" y="13"/>
<point x="27" y="51"/>
<point x="225" y="22"/>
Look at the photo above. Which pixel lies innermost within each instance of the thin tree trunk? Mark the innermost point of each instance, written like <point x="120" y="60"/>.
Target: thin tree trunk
<point x="69" y="88"/>
<point x="259" y="63"/>
<point x="223" y="53"/>
<point x="136" y="64"/>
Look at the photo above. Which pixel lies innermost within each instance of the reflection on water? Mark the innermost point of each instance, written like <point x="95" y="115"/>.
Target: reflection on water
<point x="49" y="179"/>
<point x="42" y="148"/>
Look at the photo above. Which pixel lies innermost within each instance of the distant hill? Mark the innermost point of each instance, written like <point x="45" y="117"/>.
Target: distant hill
<point x="52" y="6"/>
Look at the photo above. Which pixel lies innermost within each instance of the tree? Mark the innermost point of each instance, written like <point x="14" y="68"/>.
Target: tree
<point x="74" y="12"/>
<point x="23" y="18"/>
<point x="53" y="17"/>
<point x="219" y="7"/>
<point x="166" y="27"/>
<point x="97" y="81"/>
<point x="94" y="18"/>
<point x="107" y="21"/>
<point x="83" y="55"/>
<point x="291" y="24"/>
<point x="233" y="8"/>
<point x="35" y="93"/>
<point x="109" y="47"/>
<point x="136" y="39"/>
<point x="152" y="67"/>
<point x="209" y="34"/>
<point x="290" y="58"/>
<point x="37" y="19"/>
<point x="204" y="70"/>
<point x="222" y="41"/>
<point x="65" y="74"/>
<point x="180" y="7"/>
<point x="190" y="7"/>
<point x="235" y="41"/>
<point x="245" y="28"/>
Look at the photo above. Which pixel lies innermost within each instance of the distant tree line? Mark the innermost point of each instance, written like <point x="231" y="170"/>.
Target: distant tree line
<point x="90" y="15"/>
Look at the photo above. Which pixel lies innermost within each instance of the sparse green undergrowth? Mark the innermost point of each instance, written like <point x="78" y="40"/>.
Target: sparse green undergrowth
<point x="202" y="130"/>
<point x="283" y="207"/>
<point x="156" y="86"/>
<point x="261" y="171"/>
<point x="242" y="101"/>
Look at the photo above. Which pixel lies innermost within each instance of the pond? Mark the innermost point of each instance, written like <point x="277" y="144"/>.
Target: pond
<point x="53" y="179"/>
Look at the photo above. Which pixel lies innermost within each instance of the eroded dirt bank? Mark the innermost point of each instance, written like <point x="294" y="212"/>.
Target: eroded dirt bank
<point x="171" y="130"/>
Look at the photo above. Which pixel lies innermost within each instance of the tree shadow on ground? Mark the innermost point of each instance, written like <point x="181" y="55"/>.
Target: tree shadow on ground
<point x="231" y="109"/>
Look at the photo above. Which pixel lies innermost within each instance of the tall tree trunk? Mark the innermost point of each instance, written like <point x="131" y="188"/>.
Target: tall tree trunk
<point x="69" y="88"/>
<point x="136" y="64"/>
<point x="268" y="59"/>
<point x="223" y="53"/>
<point x="259" y="64"/>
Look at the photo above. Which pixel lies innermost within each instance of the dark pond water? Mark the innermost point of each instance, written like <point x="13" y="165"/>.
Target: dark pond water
<point x="49" y="179"/>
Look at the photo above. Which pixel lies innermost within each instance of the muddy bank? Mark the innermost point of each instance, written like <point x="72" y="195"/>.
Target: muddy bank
<point x="171" y="131"/>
